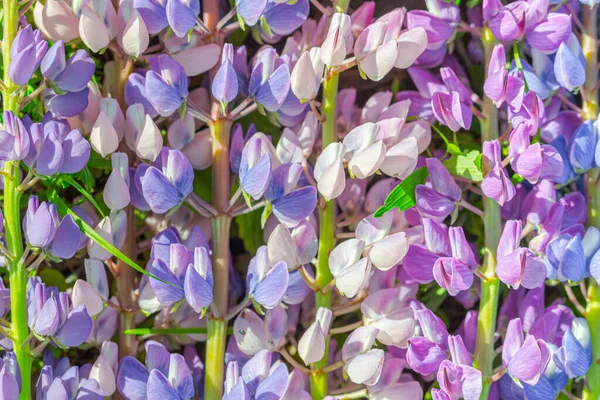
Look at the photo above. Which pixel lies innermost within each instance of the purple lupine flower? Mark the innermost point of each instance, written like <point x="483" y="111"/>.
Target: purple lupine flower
<point x="168" y="181"/>
<point x="439" y="31"/>
<point x="57" y="149"/>
<point x="50" y="314"/>
<point x="582" y="147"/>
<point x="574" y="356"/>
<point x="10" y="376"/>
<point x="569" y="67"/>
<point x="45" y="230"/>
<point x="496" y="183"/>
<point x="290" y="205"/>
<point x="457" y="378"/>
<point x="518" y="265"/>
<point x="270" y="79"/>
<point x="256" y="163"/>
<point x="164" y="375"/>
<point x="153" y="13"/>
<point x="266" y="284"/>
<point x="68" y="93"/>
<point x="526" y="360"/>
<point x="566" y="258"/>
<point x="225" y="84"/>
<point x="166" y="85"/>
<point x="438" y="200"/>
<point x="182" y="15"/>
<point x="455" y="273"/>
<point x="427" y="350"/>
<point x="234" y="385"/>
<point x="26" y="53"/>
<point x="135" y="92"/>
<point x="104" y="369"/>
<point x="284" y="17"/>
<point x="501" y="86"/>
<point x="65" y="384"/>
<point x="452" y="107"/>
<point x="250" y="11"/>
<point x="15" y="141"/>
<point x="419" y="260"/>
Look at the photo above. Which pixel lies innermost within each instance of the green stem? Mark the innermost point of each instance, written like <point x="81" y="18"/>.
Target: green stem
<point x="217" y="326"/>
<point x="488" y="306"/>
<point x="590" y="111"/>
<point x="318" y="379"/>
<point x="12" y="216"/>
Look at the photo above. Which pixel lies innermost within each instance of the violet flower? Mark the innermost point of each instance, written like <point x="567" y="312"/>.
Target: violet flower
<point x="166" y="85"/>
<point x="26" y="53"/>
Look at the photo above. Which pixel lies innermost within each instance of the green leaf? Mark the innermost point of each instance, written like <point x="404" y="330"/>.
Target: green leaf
<point x="69" y="179"/>
<point x="467" y="166"/>
<point x="64" y="209"/>
<point x="403" y="195"/>
<point x="167" y="331"/>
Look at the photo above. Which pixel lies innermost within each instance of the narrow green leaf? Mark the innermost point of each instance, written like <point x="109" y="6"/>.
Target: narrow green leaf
<point x="175" y="331"/>
<point x="64" y="209"/>
<point x="465" y="165"/>
<point x="69" y="179"/>
<point x="403" y="195"/>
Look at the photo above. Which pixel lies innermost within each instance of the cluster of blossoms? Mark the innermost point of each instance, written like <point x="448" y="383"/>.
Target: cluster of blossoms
<point x="188" y="179"/>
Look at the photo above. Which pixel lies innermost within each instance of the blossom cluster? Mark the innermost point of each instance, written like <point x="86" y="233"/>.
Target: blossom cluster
<point x="296" y="199"/>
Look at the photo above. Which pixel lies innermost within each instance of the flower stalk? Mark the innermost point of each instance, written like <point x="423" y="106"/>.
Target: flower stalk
<point x="488" y="308"/>
<point x="12" y="216"/>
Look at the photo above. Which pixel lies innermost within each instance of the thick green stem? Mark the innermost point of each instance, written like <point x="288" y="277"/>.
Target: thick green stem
<point x="318" y="379"/>
<point x="589" y="45"/>
<point x="217" y="327"/>
<point x="488" y="306"/>
<point x="12" y="216"/>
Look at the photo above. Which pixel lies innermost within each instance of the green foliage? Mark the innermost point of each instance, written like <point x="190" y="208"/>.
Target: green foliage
<point x="403" y="195"/>
<point x="53" y="277"/>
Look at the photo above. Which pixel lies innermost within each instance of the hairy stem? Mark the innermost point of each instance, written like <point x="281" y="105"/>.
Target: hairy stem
<point x="488" y="306"/>
<point x="318" y="379"/>
<point x="590" y="111"/>
<point x="217" y="333"/>
<point x="12" y="216"/>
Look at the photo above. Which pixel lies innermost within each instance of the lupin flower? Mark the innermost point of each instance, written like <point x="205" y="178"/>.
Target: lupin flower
<point x="438" y="200"/>
<point x="362" y="363"/>
<point x="518" y="265"/>
<point x="256" y="165"/>
<point x="456" y="273"/>
<point x="339" y="40"/>
<point x="225" y="84"/>
<point x="427" y="350"/>
<point x="68" y="92"/>
<point x="56" y="149"/>
<point x="569" y="65"/>
<point x="70" y="383"/>
<point x="45" y="230"/>
<point x="93" y="292"/>
<point x="182" y="15"/>
<point x="104" y="369"/>
<point x="15" y="141"/>
<point x="270" y="80"/>
<point x="501" y="86"/>
<point x="253" y="334"/>
<point x="329" y="171"/>
<point x="452" y="108"/>
<point x="311" y="346"/>
<point x="168" y="181"/>
<point x="163" y="375"/>
<point x="9" y="386"/>
<point x="266" y="285"/>
<point x="566" y="258"/>
<point x="284" y="17"/>
<point x="457" y="378"/>
<point x="388" y="311"/>
<point x="26" y="53"/>
<point x="525" y="360"/>
<point x="574" y="356"/>
<point x="50" y="315"/>
<point x="496" y="183"/>
<point x="582" y="147"/>
<point x="393" y="382"/>
<point x="290" y="205"/>
<point x="142" y="134"/>
<point x="166" y="85"/>
<point x="306" y="76"/>
<point x="133" y="37"/>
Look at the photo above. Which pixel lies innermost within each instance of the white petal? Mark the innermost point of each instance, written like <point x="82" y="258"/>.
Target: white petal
<point x="401" y="160"/>
<point x="411" y="44"/>
<point x="116" y="192"/>
<point x="104" y="138"/>
<point x="92" y="30"/>
<point x="199" y="150"/>
<point x="149" y="141"/>
<point x="366" y="162"/>
<point x="84" y="293"/>
<point x="197" y="60"/>
<point x="345" y="254"/>
<point x="389" y="251"/>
